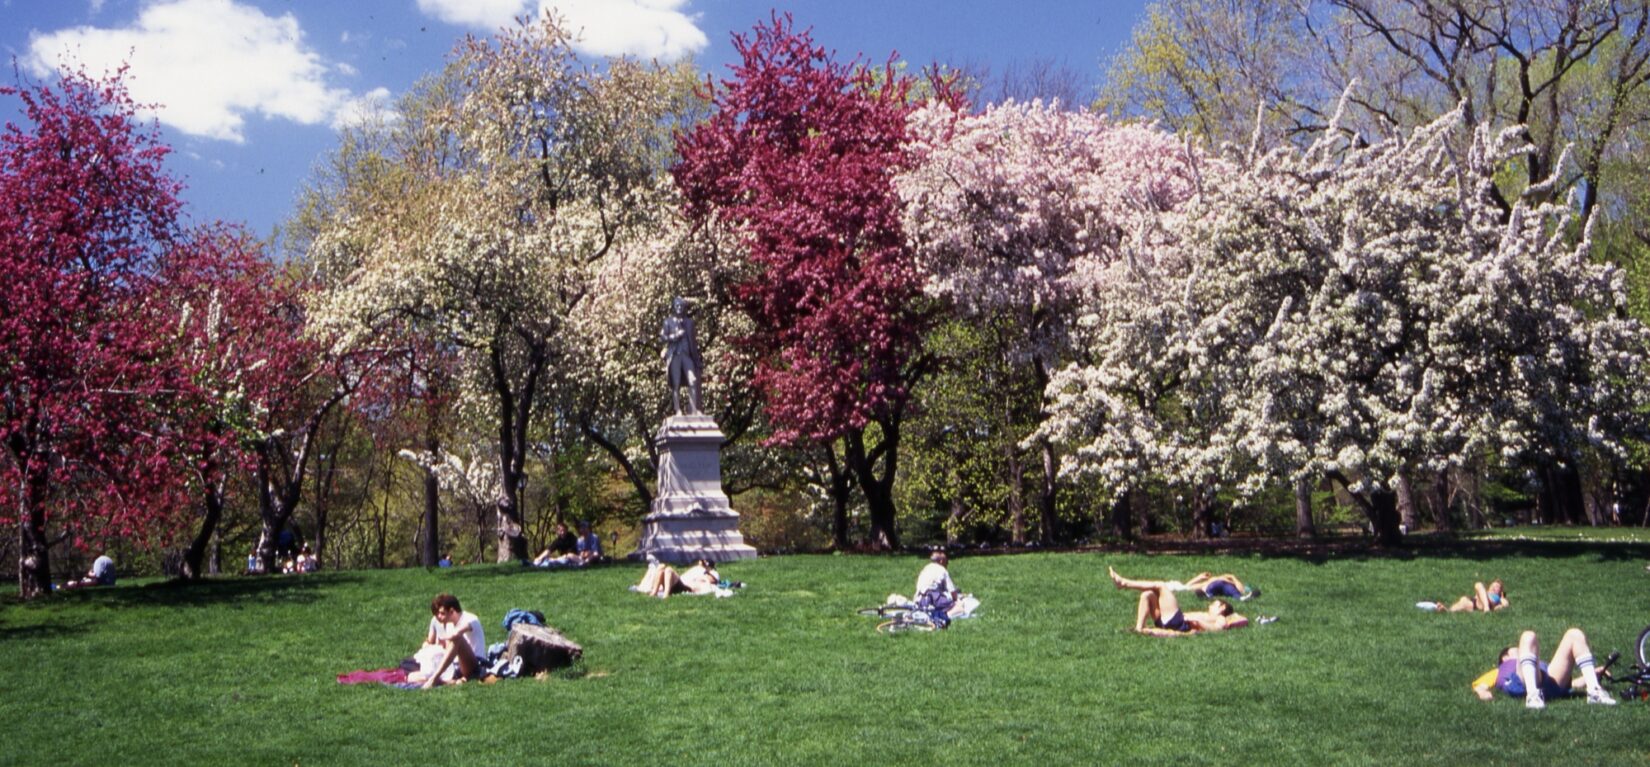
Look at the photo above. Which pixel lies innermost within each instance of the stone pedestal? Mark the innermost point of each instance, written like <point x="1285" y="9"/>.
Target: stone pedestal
<point x="691" y="516"/>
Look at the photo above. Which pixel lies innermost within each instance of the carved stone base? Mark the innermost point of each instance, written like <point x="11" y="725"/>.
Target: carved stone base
<point x="691" y="516"/>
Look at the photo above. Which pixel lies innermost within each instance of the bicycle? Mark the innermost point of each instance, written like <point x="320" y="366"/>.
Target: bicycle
<point x="1632" y="684"/>
<point x="1643" y="647"/>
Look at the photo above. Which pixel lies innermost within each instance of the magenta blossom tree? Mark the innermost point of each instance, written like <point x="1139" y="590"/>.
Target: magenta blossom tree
<point x="86" y="379"/>
<point x="799" y="159"/>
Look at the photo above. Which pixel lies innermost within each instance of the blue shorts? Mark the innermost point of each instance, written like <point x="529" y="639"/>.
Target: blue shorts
<point x="1221" y="589"/>
<point x="1176" y="622"/>
<point x="1550" y="688"/>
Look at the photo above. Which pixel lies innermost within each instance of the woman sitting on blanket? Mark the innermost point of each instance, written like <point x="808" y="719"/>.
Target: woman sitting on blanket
<point x="662" y="580"/>
<point x="1159" y="612"/>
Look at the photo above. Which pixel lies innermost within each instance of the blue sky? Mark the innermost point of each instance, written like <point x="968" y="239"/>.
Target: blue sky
<point x="250" y="90"/>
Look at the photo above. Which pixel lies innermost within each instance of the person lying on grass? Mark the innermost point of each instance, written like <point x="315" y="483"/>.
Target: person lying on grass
<point x="1483" y="599"/>
<point x="1225" y="585"/>
<point x="456" y="636"/>
<point x="1159" y="612"/>
<point x="1520" y="672"/>
<point x="662" y="580"/>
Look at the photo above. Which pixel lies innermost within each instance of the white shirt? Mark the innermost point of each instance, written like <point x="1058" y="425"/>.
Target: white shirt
<point x="103" y="567"/>
<point x="934" y="575"/>
<point x="478" y="643"/>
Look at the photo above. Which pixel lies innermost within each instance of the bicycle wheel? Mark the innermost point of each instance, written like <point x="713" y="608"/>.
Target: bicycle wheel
<point x="1643" y="647"/>
<point x="904" y="624"/>
<point x="885" y="611"/>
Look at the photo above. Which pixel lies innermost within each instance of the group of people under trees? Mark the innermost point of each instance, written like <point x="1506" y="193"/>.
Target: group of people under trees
<point x="568" y="550"/>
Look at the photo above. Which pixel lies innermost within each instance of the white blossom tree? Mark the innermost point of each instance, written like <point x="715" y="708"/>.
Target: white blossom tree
<point x="501" y="189"/>
<point x="1359" y="312"/>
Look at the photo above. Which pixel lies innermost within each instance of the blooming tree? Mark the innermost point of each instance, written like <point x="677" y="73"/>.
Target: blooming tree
<point x="799" y="159"/>
<point x="1359" y="312"/>
<point x="1016" y="212"/>
<point x="86" y="379"/>
<point x="504" y="186"/>
<point x="236" y="339"/>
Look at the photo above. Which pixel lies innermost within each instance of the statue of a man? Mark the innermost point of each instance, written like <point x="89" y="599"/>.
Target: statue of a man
<point x="681" y="355"/>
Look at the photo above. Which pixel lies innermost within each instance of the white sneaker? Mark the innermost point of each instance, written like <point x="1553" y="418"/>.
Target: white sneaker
<point x="1534" y="700"/>
<point x="1599" y="696"/>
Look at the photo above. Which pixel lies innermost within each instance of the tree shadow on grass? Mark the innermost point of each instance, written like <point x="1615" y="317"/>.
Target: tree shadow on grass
<point x="39" y="632"/>
<point x="507" y="569"/>
<point x="1416" y="547"/>
<point x="257" y="589"/>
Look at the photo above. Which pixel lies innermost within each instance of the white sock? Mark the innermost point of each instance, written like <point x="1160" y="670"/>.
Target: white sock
<point x="1526" y="672"/>
<point x="1588" y="673"/>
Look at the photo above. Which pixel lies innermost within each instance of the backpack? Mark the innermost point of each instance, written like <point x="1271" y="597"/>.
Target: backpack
<point x="935" y="602"/>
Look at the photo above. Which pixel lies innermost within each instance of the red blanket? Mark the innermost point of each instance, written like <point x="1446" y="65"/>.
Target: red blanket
<point x="381" y="676"/>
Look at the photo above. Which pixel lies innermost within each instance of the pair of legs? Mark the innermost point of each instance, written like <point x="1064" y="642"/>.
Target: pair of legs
<point x="1157" y="606"/>
<point x="1572" y="656"/>
<point x="1477" y="601"/>
<point x="456" y="651"/>
<point x="661" y="581"/>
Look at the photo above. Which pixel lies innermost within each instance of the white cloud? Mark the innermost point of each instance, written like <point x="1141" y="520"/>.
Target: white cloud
<point x="482" y="14"/>
<point x="206" y="63"/>
<point x="366" y="110"/>
<point x="644" y="28"/>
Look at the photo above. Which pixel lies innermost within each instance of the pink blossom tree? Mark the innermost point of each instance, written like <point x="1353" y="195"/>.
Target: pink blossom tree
<point x="799" y="159"/>
<point x="1017" y="212"/>
<point x="86" y="382"/>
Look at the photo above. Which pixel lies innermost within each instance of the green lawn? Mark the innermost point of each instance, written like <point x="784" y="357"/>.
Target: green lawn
<point x="240" y="671"/>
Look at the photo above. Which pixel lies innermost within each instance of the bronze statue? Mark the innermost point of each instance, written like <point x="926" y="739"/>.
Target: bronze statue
<point x="681" y="355"/>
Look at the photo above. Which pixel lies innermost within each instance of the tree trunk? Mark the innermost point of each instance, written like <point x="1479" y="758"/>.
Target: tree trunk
<point x="1048" y="499"/>
<point x="431" y="551"/>
<point x="1304" y="526"/>
<point x="1406" y="502"/>
<point x="1382" y="508"/>
<point x="879" y="491"/>
<point x="1203" y="516"/>
<point x="1016" y="497"/>
<point x="1122" y="516"/>
<point x="1440" y="503"/>
<point x="195" y="557"/>
<point x="1562" y="494"/>
<point x="34" y="561"/>
<point x="841" y="486"/>
<point x="515" y="407"/>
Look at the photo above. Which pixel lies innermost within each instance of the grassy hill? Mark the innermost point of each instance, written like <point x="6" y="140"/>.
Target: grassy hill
<point x="240" y="671"/>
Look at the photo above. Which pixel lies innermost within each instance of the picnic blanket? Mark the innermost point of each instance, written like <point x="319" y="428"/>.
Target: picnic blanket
<point x="379" y="676"/>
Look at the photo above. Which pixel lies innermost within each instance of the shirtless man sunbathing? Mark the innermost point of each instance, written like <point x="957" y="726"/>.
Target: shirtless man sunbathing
<point x="1159" y="613"/>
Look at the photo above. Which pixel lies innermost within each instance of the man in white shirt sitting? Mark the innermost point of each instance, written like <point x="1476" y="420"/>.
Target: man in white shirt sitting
<point x="457" y="635"/>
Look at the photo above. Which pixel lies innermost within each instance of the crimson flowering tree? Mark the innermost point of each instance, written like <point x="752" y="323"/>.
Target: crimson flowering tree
<point x="239" y="337"/>
<point x="86" y="382"/>
<point x="799" y="159"/>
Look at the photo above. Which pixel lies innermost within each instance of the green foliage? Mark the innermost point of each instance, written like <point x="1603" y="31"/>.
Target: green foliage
<point x="240" y="671"/>
<point x="962" y="455"/>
